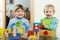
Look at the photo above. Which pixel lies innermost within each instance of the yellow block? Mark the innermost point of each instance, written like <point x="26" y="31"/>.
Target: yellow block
<point x="2" y="39"/>
<point x="21" y="30"/>
<point x="9" y="30"/>
<point x="1" y="31"/>
<point x="32" y="37"/>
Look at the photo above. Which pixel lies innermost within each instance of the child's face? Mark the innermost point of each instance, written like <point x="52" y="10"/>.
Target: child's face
<point x="19" y="13"/>
<point x="48" y="12"/>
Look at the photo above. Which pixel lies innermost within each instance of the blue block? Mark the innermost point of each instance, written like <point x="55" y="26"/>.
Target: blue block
<point x="36" y="23"/>
<point x="18" y="34"/>
<point x="11" y="39"/>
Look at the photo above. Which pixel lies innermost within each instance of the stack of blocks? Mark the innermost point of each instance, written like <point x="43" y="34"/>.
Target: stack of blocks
<point x="16" y="35"/>
<point x="36" y="30"/>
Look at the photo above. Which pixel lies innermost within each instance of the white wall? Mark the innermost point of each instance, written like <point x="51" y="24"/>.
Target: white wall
<point x="1" y="13"/>
<point x="39" y="7"/>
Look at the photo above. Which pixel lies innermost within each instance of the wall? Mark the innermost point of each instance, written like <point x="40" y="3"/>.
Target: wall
<point x="39" y="7"/>
<point x="1" y="13"/>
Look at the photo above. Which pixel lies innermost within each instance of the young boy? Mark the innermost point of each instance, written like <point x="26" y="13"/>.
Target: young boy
<point x="19" y="16"/>
<point x="49" y="21"/>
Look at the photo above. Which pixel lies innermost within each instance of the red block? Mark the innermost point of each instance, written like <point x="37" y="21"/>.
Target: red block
<point x="30" y="33"/>
<point x="45" y="32"/>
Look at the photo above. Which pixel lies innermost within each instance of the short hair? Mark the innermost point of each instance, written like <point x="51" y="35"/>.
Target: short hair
<point x="50" y="6"/>
<point x="19" y="6"/>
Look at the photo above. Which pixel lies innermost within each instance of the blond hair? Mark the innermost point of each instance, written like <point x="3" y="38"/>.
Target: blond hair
<point x="50" y="6"/>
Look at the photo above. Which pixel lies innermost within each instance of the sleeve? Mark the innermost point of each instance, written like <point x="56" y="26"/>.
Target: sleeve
<point x="28" y="27"/>
<point x="54" y="24"/>
<point x="11" y="24"/>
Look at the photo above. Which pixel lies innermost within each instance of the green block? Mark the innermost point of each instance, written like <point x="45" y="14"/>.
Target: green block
<point x="11" y="35"/>
<point x="18" y="23"/>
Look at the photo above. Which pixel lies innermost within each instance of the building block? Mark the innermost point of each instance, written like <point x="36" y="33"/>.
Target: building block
<point x="11" y="39"/>
<point x="45" y="32"/>
<point x="18" y="34"/>
<point x="9" y="30"/>
<point x="36" y="27"/>
<point x="2" y="39"/>
<point x="36" y="23"/>
<point x="30" y="33"/>
<point x="32" y="37"/>
<point x="1" y="31"/>
<point x="11" y="35"/>
<point x="16" y="38"/>
<point x="14" y="30"/>
<point x="20" y="30"/>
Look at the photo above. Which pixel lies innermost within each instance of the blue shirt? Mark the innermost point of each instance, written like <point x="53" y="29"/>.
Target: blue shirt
<point x="25" y="23"/>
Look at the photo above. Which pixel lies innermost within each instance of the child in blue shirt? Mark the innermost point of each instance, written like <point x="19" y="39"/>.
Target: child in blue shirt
<point x="19" y="16"/>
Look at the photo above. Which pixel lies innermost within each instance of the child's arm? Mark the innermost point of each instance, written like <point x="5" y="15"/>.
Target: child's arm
<point x="54" y="24"/>
<point x="44" y="25"/>
<point x="11" y="24"/>
<point x="28" y="27"/>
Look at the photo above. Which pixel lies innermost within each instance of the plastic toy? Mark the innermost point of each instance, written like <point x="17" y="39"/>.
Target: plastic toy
<point x="16" y="38"/>
<point x="45" y="32"/>
<point x="11" y="35"/>
<point x="19" y="28"/>
<point x="9" y="30"/>
<point x="1" y="31"/>
<point x="18" y="34"/>
<point x="11" y="39"/>
<point x="32" y="37"/>
<point x="30" y="33"/>
<point x="14" y="30"/>
<point x="36" y="29"/>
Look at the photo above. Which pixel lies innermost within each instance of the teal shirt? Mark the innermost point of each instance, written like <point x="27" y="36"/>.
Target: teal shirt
<point x="52" y="22"/>
<point x="25" y="23"/>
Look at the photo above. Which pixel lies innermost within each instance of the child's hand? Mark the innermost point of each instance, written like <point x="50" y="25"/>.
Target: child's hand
<point x="44" y="25"/>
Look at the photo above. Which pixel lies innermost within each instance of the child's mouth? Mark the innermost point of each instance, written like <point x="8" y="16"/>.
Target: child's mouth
<point x="20" y="15"/>
<point x="48" y="15"/>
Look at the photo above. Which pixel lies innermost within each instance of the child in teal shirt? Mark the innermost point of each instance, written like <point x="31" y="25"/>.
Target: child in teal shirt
<point x="49" y="21"/>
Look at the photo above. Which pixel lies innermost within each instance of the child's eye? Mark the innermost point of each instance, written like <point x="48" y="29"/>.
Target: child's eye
<point x="48" y="11"/>
<point x="22" y="11"/>
<point x="18" y="11"/>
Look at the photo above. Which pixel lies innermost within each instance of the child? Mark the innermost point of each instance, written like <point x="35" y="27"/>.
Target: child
<point x="19" y="16"/>
<point x="49" y="21"/>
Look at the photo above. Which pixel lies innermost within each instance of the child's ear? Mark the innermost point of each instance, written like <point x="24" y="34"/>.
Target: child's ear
<point x="44" y="10"/>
